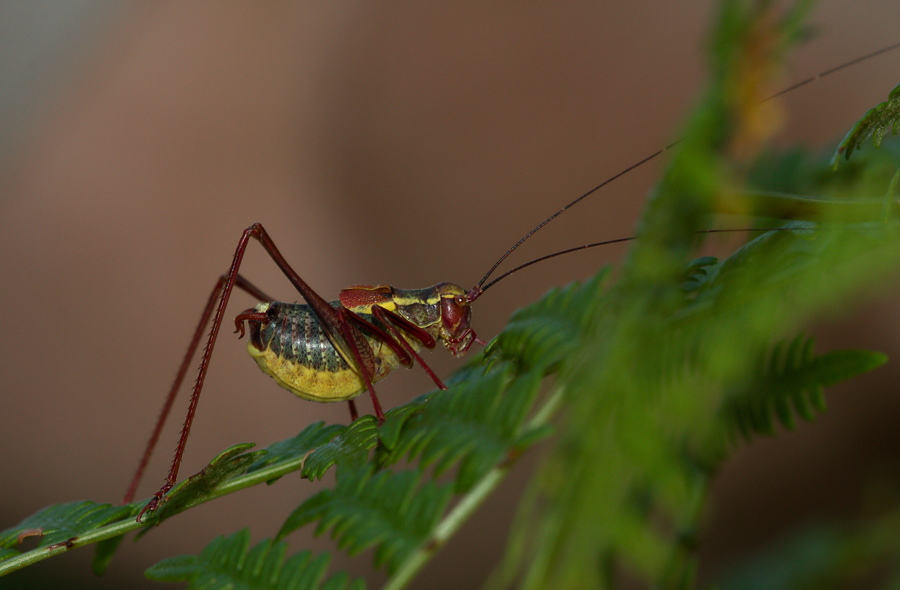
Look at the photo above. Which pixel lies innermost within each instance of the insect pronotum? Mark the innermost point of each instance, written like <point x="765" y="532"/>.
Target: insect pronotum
<point x="334" y="351"/>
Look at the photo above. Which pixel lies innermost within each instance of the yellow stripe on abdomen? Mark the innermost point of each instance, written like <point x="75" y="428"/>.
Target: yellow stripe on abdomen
<point x="308" y="383"/>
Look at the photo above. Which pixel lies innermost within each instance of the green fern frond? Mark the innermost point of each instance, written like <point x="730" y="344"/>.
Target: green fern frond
<point x="891" y="198"/>
<point x="791" y="383"/>
<point x="325" y="446"/>
<point x="622" y="418"/>
<point x="388" y="510"/>
<point x="106" y="550"/>
<point x="782" y="252"/>
<point x="542" y="334"/>
<point x="397" y="417"/>
<point x="60" y="524"/>
<point x="826" y="556"/>
<point x="312" y="437"/>
<point x="226" y="563"/>
<point x="197" y="488"/>
<point x="476" y="423"/>
<point x="697" y="273"/>
<point x="351" y="447"/>
<point x="875" y="122"/>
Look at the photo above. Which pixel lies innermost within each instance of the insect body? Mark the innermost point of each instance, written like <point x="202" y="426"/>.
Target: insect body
<point x="323" y="351"/>
<point x="290" y="344"/>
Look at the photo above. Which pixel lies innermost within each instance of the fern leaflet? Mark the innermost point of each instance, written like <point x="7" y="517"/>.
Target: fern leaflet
<point x="791" y="383"/>
<point x="61" y="525"/>
<point x="476" y="422"/>
<point x="197" y="488"/>
<point x="226" y="563"/>
<point x="875" y="122"/>
<point x="388" y="510"/>
<point x="300" y="446"/>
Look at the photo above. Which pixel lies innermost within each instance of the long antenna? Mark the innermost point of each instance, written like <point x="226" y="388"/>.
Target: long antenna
<point x="618" y="241"/>
<point x="477" y="290"/>
<point x="558" y="213"/>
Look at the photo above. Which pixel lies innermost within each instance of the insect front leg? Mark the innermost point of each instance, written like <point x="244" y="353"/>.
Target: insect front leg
<point x="395" y="323"/>
<point x="394" y="340"/>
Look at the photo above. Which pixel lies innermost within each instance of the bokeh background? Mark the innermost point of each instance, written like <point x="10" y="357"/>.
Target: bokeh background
<point x="400" y="143"/>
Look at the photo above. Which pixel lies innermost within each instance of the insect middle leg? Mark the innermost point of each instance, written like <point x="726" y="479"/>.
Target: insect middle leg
<point x="394" y="340"/>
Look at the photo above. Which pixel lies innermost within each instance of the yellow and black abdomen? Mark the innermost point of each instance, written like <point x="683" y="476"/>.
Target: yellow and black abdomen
<point x="295" y="350"/>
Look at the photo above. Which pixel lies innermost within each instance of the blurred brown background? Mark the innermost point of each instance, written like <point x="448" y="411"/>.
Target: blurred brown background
<point x="402" y="143"/>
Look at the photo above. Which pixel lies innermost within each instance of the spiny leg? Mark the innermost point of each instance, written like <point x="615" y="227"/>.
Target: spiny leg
<point x="326" y="314"/>
<point x="240" y="282"/>
<point x="343" y="333"/>
<point x="394" y="324"/>
<point x="231" y="278"/>
<point x="394" y="340"/>
<point x="358" y="352"/>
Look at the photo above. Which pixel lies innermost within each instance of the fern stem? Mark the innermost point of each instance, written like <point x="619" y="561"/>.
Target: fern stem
<point x="467" y="505"/>
<point x="130" y="524"/>
<point x="41" y="553"/>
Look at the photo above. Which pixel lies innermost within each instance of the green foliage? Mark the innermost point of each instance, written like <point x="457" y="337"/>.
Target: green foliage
<point x="875" y="123"/>
<point x="199" y="488"/>
<point x="825" y="556"/>
<point x="312" y="437"/>
<point x="540" y="336"/>
<point x="654" y="378"/>
<point x="60" y="525"/>
<point x="106" y="550"/>
<point x="388" y="510"/>
<point x="350" y="448"/>
<point x="792" y="382"/>
<point x="227" y="563"/>
<point x="465" y="427"/>
<point x="650" y="374"/>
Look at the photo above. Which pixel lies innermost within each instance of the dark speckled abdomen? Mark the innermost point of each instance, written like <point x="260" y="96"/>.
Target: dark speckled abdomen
<point x="294" y="349"/>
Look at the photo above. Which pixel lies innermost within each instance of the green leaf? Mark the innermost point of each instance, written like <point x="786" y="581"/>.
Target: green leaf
<point x="310" y="438"/>
<point x="826" y="555"/>
<point x="351" y="447"/>
<point x="791" y="383"/>
<point x="696" y="274"/>
<point x="227" y="563"/>
<point x="396" y="419"/>
<point x="197" y="488"/>
<point x="543" y="334"/>
<point x="891" y="198"/>
<point x="63" y="523"/>
<point x="475" y="423"/>
<point x="106" y="549"/>
<point x="388" y="510"/>
<point x="623" y="488"/>
<point x="875" y="122"/>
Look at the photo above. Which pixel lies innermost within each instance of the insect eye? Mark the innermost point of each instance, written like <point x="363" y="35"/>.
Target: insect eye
<point x="455" y="312"/>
